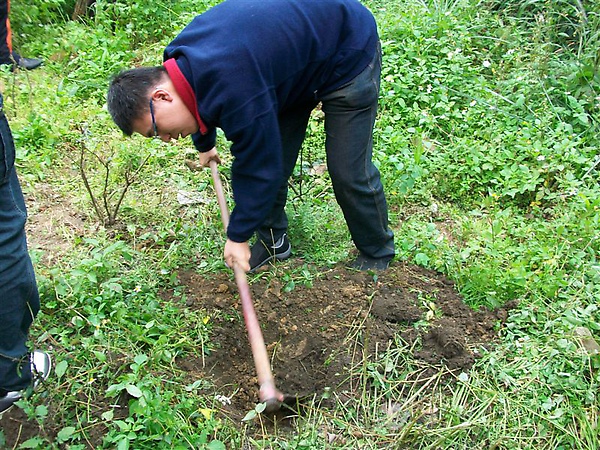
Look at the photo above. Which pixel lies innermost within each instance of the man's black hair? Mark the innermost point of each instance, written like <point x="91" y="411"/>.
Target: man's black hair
<point x="128" y="95"/>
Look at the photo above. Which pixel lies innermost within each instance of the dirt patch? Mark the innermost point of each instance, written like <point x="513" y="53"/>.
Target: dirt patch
<point x="317" y="335"/>
<point x="51" y="220"/>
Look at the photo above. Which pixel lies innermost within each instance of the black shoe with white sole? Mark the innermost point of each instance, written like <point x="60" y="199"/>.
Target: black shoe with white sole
<point x="262" y="253"/>
<point x="41" y="365"/>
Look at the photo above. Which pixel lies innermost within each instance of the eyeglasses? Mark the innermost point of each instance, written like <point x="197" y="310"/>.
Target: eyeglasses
<point x="155" y="129"/>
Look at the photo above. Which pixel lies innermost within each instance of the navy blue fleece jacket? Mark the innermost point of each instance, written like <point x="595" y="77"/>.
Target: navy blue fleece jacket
<point x="243" y="62"/>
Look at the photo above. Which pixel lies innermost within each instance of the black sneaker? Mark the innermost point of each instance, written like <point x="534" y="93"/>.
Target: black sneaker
<point x="261" y="253"/>
<point x="364" y="262"/>
<point x="41" y="365"/>
<point x="27" y="63"/>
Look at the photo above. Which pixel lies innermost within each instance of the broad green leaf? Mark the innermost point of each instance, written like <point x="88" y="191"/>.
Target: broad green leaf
<point x="134" y="391"/>
<point x="260" y="407"/>
<point x="140" y="359"/>
<point x="41" y="411"/>
<point x="61" y="368"/>
<point x="65" y="434"/>
<point x="34" y="442"/>
<point x="216" y="445"/>
<point x="250" y="415"/>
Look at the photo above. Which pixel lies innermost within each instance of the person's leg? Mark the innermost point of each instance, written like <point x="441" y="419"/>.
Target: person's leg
<point x="272" y="241"/>
<point x="349" y="117"/>
<point x="19" y="300"/>
<point x="292" y="128"/>
<point x="5" y="41"/>
<point x="7" y="54"/>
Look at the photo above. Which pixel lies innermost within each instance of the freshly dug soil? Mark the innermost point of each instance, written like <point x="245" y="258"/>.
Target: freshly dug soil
<point x="317" y="336"/>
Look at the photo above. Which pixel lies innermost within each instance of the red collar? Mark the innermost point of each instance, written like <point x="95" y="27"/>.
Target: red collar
<point x="184" y="90"/>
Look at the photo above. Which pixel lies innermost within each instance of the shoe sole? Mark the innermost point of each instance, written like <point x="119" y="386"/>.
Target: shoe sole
<point x="41" y="367"/>
<point x="6" y="410"/>
<point x="13" y="400"/>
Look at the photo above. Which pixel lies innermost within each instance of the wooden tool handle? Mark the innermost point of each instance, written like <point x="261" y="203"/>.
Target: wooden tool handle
<point x="268" y="392"/>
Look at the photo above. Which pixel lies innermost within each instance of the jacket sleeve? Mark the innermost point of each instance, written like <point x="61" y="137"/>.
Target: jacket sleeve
<point x="256" y="174"/>
<point x="205" y="142"/>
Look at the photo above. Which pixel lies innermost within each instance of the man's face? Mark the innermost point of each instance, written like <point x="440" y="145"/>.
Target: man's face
<point x="166" y="118"/>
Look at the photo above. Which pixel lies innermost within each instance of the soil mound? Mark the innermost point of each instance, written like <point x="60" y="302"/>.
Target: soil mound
<point x="316" y="335"/>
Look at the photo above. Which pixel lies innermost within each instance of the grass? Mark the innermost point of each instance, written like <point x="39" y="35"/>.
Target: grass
<point x="487" y="142"/>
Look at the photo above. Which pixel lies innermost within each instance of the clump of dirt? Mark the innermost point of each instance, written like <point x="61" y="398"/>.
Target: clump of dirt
<point x="317" y="335"/>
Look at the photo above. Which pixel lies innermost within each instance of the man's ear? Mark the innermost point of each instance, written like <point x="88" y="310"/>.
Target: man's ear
<point x="161" y="94"/>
